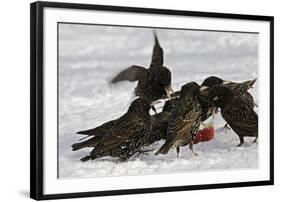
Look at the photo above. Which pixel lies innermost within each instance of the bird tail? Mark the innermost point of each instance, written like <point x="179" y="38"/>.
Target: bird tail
<point x="250" y="83"/>
<point x="157" y="53"/>
<point x="88" y="143"/>
<point x="86" y="158"/>
<point x="156" y="41"/>
<point x="85" y="132"/>
<point x="78" y="146"/>
<point x="164" y="149"/>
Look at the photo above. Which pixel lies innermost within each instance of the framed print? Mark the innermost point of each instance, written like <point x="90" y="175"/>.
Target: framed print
<point x="134" y="100"/>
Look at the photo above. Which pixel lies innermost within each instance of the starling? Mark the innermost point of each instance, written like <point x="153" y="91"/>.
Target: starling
<point x="160" y="121"/>
<point x="153" y="83"/>
<point x="184" y="120"/>
<point x="236" y="112"/>
<point x="239" y="89"/>
<point x="122" y="137"/>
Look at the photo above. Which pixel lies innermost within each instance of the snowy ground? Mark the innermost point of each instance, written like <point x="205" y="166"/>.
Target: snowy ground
<point x="90" y="55"/>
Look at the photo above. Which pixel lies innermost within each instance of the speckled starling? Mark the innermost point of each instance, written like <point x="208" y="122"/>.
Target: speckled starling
<point x="186" y="115"/>
<point x="122" y="137"/>
<point x="153" y="83"/>
<point x="236" y="112"/>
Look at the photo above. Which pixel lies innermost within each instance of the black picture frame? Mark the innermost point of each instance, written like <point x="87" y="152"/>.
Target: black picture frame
<point x="37" y="101"/>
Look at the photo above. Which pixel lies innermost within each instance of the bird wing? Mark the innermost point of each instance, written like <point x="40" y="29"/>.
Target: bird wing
<point x="181" y="125"/>
<point x="157" y="53"/>
<point x="242" y="117"/>
<point x="133" y="73"/>
<point x="248" y="99"/>
<point x="179" y="129"/>
<point x="159" y="125"/>
<point x="158" y="119"/>
<point x="122" y="131"/>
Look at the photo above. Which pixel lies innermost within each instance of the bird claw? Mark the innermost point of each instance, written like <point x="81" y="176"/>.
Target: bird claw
<point x="226" y="127"/>
<point x="144" y="151"/>
<point x="255" y="140"/>
<point x="239" y="145"/>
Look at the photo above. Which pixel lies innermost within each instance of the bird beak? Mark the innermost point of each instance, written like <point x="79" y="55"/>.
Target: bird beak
<point x="226" y="82"/>
<point x="169" y="90"/>
<point x="215" y="98"/>
<point x="203" y="88"/>
<point x="154" y="103"/>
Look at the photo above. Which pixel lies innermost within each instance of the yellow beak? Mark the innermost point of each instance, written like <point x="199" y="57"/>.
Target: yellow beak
<point x="203" y="88"/>
<point x="226" y="82"/>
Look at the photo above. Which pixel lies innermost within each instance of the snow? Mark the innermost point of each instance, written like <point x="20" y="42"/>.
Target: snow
<point x="90" y="55"/>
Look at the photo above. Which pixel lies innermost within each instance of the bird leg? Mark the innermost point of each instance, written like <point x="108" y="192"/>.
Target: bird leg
<point x="191" y="148"/>
<point x="226" y="127"/>
<point x="241" y="138"/>
<point x="178" y="152"/>
<point x="144" y="151"/>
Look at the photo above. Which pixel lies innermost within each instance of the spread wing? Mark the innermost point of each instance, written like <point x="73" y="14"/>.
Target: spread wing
<point x="133" y="73"/>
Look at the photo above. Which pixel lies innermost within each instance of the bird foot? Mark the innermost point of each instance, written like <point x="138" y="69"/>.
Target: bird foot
<point x="240" y="144"/>
<point x="226" y="127"/>
<point x="255" y="140"/>
<point x="191" y="149"/>
<point x="144" y="151"/>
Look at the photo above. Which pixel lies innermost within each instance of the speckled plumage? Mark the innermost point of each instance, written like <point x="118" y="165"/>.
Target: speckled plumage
<point x="160" y="121"/>
<point x="185" y="118"/>
<point x="239" y="89"/>
<point x="122" y="137"/>
<point x="236" y="112"/>
<point x="153" y="83"/>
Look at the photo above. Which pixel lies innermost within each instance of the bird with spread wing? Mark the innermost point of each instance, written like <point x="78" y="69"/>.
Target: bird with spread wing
<point x="154" y="82"/>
